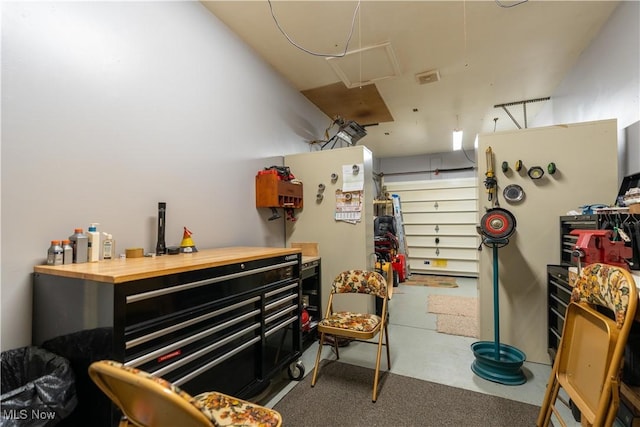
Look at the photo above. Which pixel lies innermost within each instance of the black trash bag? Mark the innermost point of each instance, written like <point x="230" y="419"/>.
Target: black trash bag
<point x="38" y="388"/>
<point x="81" y="349"/>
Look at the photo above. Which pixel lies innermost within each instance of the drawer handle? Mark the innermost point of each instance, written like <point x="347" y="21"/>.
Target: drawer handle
<point x="215" y="362"/>
<point x="280" y="313"/>
<point x="280" y="301"/>
<point x="165" y="331"/>
<point x="191" y="285"/>
<point x="280" y="326"/>
<point x="282" y="289"/>
<point x="193" y="338"/>
<point x="190" y="358"/>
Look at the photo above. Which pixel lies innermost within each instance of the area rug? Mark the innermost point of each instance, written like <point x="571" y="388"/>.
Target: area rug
<point x="435" y="281"/>
<point x="456" y="315"/>
<point x="342" y="397"/>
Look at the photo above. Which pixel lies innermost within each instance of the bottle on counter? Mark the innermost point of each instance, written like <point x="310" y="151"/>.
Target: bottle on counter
<point x="108" y="247"/>
<point x="93" y="251"/>
<point x="67" y="252"/>
<point x="80" y="245"/>
<point x="55" y="253"/>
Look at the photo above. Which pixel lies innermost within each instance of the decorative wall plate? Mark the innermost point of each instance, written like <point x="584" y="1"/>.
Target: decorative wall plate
<point x="513" y="193"/>
<point x="536" y="172"/>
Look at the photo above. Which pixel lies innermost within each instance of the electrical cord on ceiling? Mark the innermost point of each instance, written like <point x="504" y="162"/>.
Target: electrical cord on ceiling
<point x="332" y="55"/>
<point x="506" y="6"/>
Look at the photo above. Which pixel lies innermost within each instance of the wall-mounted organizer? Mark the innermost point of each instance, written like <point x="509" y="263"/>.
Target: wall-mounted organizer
<point x="272" y="192"/>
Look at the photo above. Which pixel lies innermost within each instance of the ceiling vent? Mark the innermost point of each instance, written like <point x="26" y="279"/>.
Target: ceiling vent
<point x="428" y="77"/>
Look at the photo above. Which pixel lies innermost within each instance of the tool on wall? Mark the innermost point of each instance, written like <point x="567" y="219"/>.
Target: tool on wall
<point x="320" y="193"/>
<point x="490" y="183"/>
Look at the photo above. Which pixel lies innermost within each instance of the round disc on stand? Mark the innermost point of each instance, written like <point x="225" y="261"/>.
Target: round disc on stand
<point x="494" y="361"/>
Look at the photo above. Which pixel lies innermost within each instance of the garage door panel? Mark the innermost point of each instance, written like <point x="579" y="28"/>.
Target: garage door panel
<point x="443" y="266"/>
<point x="439" y="218"/>
<point x="468" y="254"/>
<point x="462" y="242"/>
<point x="440" y="229"/>
<point x="440" y="206"/>
<point x="437" y="194"/>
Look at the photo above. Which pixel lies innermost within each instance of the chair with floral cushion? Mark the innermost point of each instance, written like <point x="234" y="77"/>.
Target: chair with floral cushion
<point x="589" y="358"/>
<point x="356" y="326"/>
<point x="148" y="400"/>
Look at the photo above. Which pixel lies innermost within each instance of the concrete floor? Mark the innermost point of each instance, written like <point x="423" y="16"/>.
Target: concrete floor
<point x="418" y="351"/>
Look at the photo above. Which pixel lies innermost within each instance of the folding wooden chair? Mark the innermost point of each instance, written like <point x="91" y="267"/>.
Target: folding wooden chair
<point x="149" y="401"/>
<point x="356" y="326"/>
<point x="588" y="362"/>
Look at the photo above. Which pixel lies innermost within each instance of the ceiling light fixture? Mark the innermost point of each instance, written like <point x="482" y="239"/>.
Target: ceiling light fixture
<point x="351" y="132"/>
<point x="457" y="140"/>
<point x="457" y="136"/>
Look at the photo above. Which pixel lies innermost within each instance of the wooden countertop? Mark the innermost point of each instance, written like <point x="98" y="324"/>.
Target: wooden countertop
<point x="125" y="270"/>
<point x="306" y="258"/>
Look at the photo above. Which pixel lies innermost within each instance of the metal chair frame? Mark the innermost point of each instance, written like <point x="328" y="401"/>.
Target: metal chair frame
<point x="345" y="283"/>
<point x="588" y="363"/>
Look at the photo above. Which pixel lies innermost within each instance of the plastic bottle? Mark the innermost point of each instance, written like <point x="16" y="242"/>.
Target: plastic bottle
<point x="94" y="242"/>
<point x="80" y="245"/>
<point x="67" y="252"/>
<point x="108" y="247"/>
<point x="55" y="253"/>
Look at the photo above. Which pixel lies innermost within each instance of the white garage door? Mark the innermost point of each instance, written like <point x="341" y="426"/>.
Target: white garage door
<point x="440" y="219"/>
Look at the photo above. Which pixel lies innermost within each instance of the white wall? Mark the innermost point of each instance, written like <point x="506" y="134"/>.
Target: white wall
<point x="604" y="83"/>
<point x="111" y="107"/>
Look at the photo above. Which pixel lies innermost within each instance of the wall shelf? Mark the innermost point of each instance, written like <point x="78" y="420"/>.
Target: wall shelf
<point x="272" y="192"/>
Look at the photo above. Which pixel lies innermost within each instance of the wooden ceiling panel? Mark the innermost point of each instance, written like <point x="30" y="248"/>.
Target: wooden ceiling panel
<point x="362" y="104"/>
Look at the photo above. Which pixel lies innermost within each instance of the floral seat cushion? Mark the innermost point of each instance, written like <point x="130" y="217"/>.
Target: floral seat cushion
<point x="352" y="321"/>
<point x="221" y="409"/>
<point x="359" y="281"/>
<point x="225" y="410"/>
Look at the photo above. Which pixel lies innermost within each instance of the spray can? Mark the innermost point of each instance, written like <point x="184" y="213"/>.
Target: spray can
<point x="94" y="243"/>
<point x="80" y="245"/>
<point x="55" y="253"/>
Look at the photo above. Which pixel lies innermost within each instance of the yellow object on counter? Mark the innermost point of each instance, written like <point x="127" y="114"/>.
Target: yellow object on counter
<point x="134" y="252"/>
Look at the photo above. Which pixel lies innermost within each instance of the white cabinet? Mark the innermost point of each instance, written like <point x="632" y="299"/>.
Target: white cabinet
<point x="440" y="219"/>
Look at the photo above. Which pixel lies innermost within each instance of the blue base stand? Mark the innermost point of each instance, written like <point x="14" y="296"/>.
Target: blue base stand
<point x="500" y="363"/>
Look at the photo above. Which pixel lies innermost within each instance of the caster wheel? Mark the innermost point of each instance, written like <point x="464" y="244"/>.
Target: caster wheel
<point x="296" y="371"/>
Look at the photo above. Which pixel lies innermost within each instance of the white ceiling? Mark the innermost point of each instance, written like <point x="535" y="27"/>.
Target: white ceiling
<point x="486" y="54"/>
